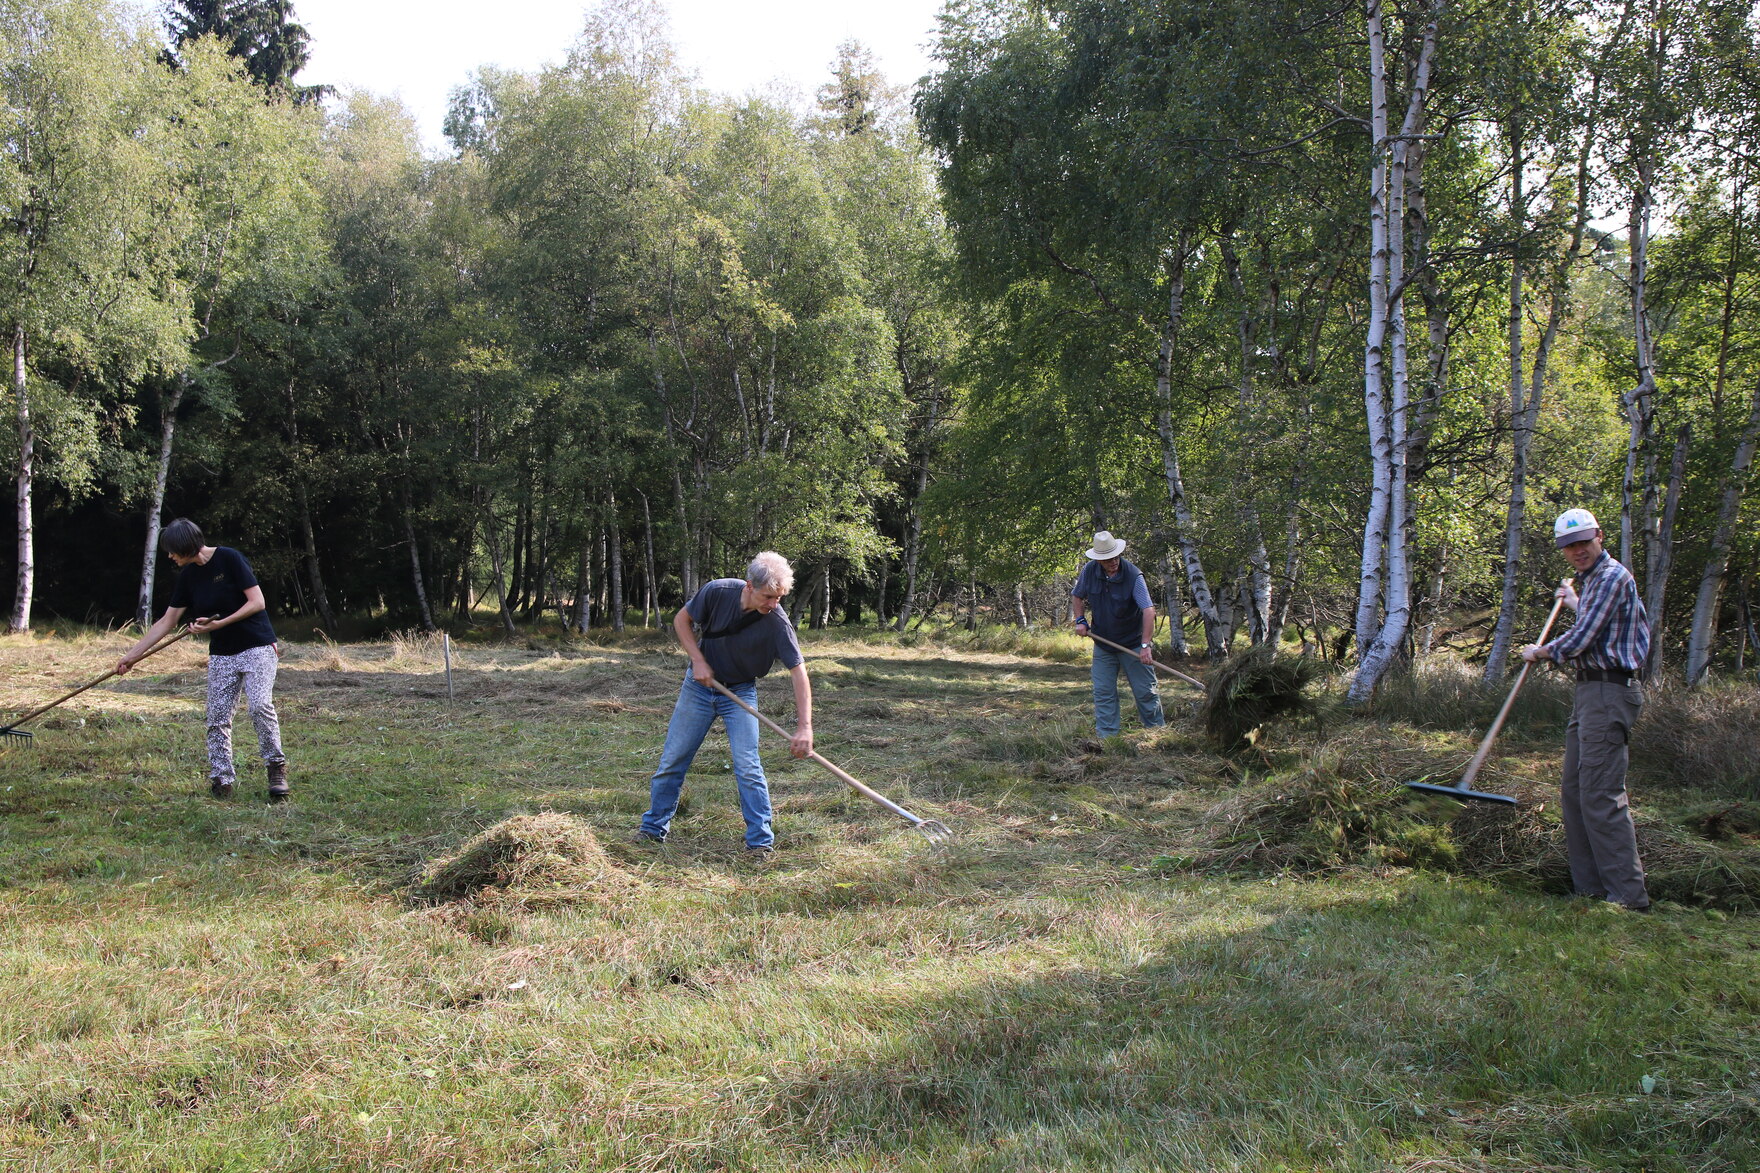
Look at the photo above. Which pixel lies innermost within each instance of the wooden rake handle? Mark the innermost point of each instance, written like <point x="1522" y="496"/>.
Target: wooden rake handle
<point x="1484" y="751"/>
<point x="843" y="776"/>
<point x="1173" y="672"/>
<point x="153" y="651"/>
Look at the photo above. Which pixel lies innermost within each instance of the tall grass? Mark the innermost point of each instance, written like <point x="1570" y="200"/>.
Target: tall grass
<point x="1701" y="740"/>
<point x="1441" y="692"/>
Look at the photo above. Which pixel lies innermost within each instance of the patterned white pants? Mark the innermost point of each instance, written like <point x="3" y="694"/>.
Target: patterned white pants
<point x="253" y="673"/>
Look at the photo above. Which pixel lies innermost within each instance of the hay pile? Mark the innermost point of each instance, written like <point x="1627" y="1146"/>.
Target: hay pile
<point x="546" y="858"/>
<point x="1348" y="807"/>
<point x="1253" y="687"/>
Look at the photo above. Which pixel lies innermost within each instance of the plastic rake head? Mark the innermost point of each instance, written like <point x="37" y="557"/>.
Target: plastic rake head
<point x="21" y="734"/>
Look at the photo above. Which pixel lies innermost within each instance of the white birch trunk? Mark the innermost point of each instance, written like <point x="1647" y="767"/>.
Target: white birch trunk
<point x="27" y="448"/>
<point x="1215" y="629"/>
<point x="1372" y="567"/>
<point x="1639" y="403"/>
<point x="143" y="609"/>
<point x="1390" y="451"/>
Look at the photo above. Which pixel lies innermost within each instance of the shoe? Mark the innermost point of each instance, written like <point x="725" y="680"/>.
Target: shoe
<point x="646" y="837"/>
<point x="760" y="854"/>
<point x="1630" y="907"/>
<point x="219" y="788"/>
<point x="278" y="787"/>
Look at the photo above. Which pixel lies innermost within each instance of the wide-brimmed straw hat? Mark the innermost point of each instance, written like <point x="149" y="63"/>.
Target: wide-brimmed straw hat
<point x="1106" y="546"/>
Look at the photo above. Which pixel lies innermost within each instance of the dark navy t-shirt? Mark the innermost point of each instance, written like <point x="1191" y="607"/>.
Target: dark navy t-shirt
<point x="216" y="591"/>
<point x="744" y="655"/>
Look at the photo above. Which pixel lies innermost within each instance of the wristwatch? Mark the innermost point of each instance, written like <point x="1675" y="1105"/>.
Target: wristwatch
<point x="1142" y="647"/>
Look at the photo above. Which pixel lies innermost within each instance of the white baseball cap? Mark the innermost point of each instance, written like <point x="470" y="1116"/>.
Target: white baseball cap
<point x="1574" y="525"/>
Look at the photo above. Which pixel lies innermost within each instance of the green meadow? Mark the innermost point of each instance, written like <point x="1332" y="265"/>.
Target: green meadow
<point x="1126" y="960"/>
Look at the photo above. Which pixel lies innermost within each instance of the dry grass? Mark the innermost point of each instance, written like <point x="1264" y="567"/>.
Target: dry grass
<point x="1702" y="740"/>
<point x="546" y="858"/>
<point x="1254" y="687"/>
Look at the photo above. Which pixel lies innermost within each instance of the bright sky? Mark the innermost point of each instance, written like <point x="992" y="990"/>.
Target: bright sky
<point x="420" y="49"/>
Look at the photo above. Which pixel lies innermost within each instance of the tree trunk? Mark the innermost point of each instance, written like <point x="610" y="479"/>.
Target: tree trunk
<point x="651" y="595"/>
<point x="315" y="572"/>
<point x="687" y="567"/>
<point x="415" y="568"/>
<point x="1663" y="560"/>
<point x="1389" y="434"/>
<point x="1735" y="484"/>
<point x="913" y="543"/>
<point x="1524" y="410"/>
<point x="1020" y="608"/>
<point x="26" y="580"/>
<point x="1639" y="403"/>
<point x="1185" y="529"/>
<point x="143" y="610"/>
<point x="495" y="565"/>
<point x="1292" y="564"/>
<point x="583" y="593"/>
<point x="616" y="551"/>
<point x="1170" y="603"/>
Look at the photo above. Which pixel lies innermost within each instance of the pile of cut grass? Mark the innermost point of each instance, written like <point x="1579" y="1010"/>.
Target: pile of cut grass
<point x="1253" y="688"/>
<point x="546" y="858"/>
<point x="1347" y="806"/>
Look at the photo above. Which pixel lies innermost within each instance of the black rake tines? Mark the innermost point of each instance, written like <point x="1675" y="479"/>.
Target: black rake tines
<point x="21" y="734"/>
<point x="1462" y="793"/>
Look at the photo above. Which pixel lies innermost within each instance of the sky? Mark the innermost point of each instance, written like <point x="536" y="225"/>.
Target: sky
<point x="420" y="49"/>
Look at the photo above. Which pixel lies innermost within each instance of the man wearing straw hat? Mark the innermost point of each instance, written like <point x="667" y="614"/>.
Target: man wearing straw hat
<point x="1114" y="591"/>
<point x="743" y="634"/>
<point x="1607" y="646"/>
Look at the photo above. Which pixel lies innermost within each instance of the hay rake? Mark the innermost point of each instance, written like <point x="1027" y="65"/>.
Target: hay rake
<point x="935" y="832"/>
<point x="1173" y="672"/>
<point x="13" y="730"/>
<point x="1464" y="788"/>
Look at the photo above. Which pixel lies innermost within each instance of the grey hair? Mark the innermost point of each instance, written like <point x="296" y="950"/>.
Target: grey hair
<point x="771" y="569"/>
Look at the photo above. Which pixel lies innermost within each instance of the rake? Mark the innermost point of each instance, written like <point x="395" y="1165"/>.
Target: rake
<point x="1173" y="672"/>
<point x="935" y="832"/>
<point x="1464" y="788"/>
<point x="13" y="729"/>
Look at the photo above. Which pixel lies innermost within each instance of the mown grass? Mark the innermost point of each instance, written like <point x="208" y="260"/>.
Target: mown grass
<point x="196" y="985"/>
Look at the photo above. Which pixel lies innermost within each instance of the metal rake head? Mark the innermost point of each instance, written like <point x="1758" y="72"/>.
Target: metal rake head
<point x="935" y="832"/>
<point x="21" y="734"/>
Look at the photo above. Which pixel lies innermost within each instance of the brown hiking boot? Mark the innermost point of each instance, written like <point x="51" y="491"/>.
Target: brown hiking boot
<point x="219" y="788"/>
<point x="278" y="787"/>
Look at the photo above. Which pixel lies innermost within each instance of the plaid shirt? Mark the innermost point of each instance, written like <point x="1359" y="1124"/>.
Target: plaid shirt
<point x="1611" y="630"/>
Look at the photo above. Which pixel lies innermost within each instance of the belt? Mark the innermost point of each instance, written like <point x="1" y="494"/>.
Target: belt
<point x="1605" y="675"/>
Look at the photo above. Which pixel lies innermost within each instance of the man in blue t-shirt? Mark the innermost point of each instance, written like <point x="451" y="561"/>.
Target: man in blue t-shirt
<point x="1114" y="591"/>
<point x="743" y="634"/>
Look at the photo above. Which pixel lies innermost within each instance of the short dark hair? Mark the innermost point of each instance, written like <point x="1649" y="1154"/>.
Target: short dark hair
<point x="183" y="538"/>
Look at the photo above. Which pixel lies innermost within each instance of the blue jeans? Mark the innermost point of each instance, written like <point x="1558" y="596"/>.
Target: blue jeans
<point x="1142" y="680"/>
<point x="695" y="712"/>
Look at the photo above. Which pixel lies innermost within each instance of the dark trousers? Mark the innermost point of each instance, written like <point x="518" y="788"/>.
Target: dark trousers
<point x="1597" y="817"/>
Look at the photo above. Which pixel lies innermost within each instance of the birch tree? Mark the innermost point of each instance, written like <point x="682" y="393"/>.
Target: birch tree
<point x="84" y="199"/>
<point x="1384" y="601"/>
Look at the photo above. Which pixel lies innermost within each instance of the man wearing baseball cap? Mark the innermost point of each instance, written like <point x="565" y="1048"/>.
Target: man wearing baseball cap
<point x="1115" y="592"/>
<point x="1607" y="646"/>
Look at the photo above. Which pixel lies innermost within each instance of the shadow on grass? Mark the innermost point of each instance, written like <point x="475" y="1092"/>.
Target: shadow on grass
<point x="1365" y="1036"/>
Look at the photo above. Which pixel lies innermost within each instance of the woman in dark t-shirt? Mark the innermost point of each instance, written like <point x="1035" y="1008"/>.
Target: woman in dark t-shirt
<point x="219" y="586"/>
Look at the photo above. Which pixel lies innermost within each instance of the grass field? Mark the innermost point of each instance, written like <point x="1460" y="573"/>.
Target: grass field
<point x="1092" y="978"/>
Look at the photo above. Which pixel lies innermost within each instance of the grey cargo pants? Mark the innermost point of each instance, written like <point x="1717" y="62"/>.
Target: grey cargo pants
<point x="1597" y="818"/>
